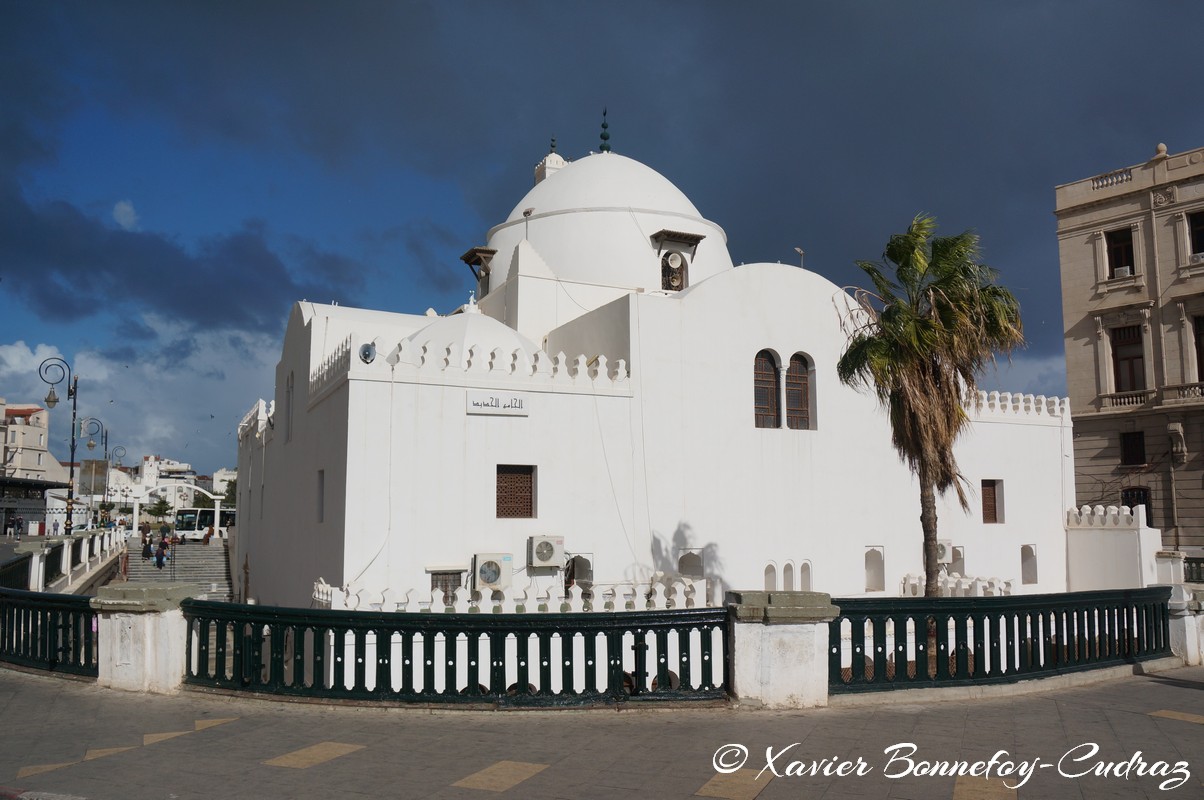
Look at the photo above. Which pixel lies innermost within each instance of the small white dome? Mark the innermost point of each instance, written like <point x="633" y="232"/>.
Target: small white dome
<point x="594" y="222"/>
<point x="462" y="332"/>
<point x="605" y="180"/>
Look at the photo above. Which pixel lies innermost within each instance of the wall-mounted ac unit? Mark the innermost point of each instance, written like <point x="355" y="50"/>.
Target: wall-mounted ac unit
<point x="492" y="571"/>
<point x="545" y="551"/>
<point x="1196" y="258"/>
<point x="944" y="551"/>
<point x="1123" y="272"/>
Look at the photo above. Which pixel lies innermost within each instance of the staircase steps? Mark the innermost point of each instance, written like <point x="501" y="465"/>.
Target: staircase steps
<point x="204" y="565"/>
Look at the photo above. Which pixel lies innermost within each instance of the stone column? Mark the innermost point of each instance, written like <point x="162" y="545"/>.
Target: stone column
<point x="142" y="636"/>
<point x="780" y="648"/>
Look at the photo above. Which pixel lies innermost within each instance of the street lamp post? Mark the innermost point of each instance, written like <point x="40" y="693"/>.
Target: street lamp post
<point x="92" y="427"/>
<point x="54" y="371"/>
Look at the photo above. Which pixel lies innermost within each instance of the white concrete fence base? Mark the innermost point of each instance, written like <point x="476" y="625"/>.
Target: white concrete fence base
<point x="780" y="644"/>
<point x="142" y="636"/>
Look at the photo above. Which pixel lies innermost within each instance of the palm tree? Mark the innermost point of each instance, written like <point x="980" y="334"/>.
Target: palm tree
<point x="918" y="341"/>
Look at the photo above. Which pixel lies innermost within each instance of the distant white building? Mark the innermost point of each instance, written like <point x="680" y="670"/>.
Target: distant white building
<point x="157" y="470"/>
<point x="622" y="403"/>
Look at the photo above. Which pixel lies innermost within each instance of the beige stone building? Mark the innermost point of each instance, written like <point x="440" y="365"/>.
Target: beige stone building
<point x="1131" y="245"/>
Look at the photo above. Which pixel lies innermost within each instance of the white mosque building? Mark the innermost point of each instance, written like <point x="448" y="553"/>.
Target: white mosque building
<point x="619" y="404"/>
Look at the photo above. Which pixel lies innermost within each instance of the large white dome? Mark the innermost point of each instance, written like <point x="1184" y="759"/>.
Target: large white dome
<point x="595" y="221"/>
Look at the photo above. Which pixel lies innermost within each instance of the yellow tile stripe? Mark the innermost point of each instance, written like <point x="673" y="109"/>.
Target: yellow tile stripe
<point x="739" y="785"/>
<point x="202" y="724"/>
<point x="501" y="776"/>
<point x="95" y="753"/>
<point x="969" y="787"/>
<point x="154" y="738"/>
<point x="25" y="772"/>
<point x="319" y="753"/>
<point x="1182" y="716"/>
<point x="107" y="751"/>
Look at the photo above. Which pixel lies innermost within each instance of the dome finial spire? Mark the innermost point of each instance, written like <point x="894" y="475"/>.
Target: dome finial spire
<point x="553" y="144"/>
<point x="605" y="146"/>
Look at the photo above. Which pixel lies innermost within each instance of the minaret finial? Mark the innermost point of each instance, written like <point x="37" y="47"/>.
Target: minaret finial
<point x="605" y="146"/>
<point x="553" y="144"/>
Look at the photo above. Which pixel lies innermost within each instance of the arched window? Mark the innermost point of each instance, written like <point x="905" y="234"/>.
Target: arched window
<point x="765" y="391"/>
<point x="804" y="576"/>
<point x="798" y="393"/>
<point x="771" y="578"/>
<point x="1028" y="564"/>
<point x="788" y="577"/>
<point x="875" y="572"/>
<point x="579" y="571"/>
<point x="690" y="566"/>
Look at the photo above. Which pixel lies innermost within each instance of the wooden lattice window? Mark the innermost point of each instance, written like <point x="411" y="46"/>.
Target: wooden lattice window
<point x="515" y="491"/>
<point x="446" y="582"/>
<point x="765" y="391"/>
<point x="990" y="504"/>
<point x="798" y="400"/>
<point x="1128" y="359"/>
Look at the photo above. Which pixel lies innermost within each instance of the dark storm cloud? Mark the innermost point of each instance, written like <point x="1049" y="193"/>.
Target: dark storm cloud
<point x="62" y="262"/>
<point x="433" y="250"/>
<point x="825" y="126"/>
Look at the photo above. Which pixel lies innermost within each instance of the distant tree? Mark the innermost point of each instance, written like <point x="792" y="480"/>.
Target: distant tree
<point x="231" y="498"/>
<point x="202" y="501"/>
<point x="921" y="339"/>
<point x="159" y="508"/>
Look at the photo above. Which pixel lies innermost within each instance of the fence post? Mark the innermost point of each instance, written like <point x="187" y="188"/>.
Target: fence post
<point x="142" y="636"/>
<point x="1187" y="624"/>
<point x="780" y="648"/>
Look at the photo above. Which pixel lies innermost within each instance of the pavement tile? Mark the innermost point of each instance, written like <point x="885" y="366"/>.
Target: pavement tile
<point x="409" y="753"/>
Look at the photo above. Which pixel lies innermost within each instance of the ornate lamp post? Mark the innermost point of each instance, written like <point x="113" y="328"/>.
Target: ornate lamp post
<point x="54" y="371"/>
<point x="92" y="427"/>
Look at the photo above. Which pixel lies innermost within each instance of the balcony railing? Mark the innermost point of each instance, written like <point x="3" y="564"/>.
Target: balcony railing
<point x="1183" y="391"/>
<point x="1128" y="399"/>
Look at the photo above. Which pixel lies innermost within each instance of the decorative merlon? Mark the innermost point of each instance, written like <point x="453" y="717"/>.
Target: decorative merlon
<point x="1122" y="518"/>
<point x="676" y="593"/>
<point x="954" y="585"/>
<point x="410" y="362"/>
<point x="1016" y="404"/>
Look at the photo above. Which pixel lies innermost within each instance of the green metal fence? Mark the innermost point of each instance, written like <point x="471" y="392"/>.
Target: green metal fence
<point x="14" y="574"/>
<point x="501" y="659"/>
<point x="53" y="632"/>
<point x="882" y="644"/>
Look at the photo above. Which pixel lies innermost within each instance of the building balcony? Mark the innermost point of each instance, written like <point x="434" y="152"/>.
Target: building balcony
<point x="1128" y="399"/>
<point x="1183" y="393"/>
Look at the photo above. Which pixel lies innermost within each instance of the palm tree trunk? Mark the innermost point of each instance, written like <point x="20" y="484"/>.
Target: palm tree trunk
<point x="928" y="524"/>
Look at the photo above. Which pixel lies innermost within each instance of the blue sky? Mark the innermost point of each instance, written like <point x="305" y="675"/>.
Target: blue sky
<point x="174" y="175"/>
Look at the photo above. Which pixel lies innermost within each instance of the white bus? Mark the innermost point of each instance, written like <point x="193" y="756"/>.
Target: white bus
<point x="193" y="523"/>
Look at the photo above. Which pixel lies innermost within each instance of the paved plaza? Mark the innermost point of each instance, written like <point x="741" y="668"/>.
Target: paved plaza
<point x="63" y="738"/>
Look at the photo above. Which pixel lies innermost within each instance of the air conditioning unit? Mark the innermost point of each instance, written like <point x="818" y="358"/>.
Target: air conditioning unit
<point x="944" y="551"/>
<point x="492" y="571"/>
<point x="1196" y="258"/>
<point x="545" y="551"/>
<point x="1123" y="272"/>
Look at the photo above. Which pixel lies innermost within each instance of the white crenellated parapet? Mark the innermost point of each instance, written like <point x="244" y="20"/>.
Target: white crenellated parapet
<point x="668" y="593"/>
<point x="333" y="367"/>
<point x="1016" y="405"/>
<point x="254" y="421"/>
<point x="954" y="585"/>
<point x="474" y="364"/>
<point x="1114" y="517"/>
